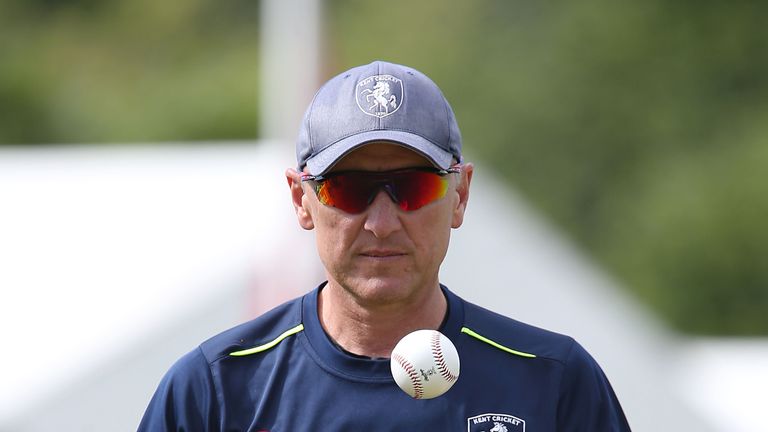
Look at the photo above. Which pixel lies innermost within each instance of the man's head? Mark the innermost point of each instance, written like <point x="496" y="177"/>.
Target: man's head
<point x="377" y="102"/>
<point x="381" y="181"/>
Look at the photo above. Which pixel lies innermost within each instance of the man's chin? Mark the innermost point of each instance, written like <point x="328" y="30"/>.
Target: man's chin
<point x="382" y="290"/>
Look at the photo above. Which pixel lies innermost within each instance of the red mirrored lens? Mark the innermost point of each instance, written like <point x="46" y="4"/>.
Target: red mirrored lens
<point x="354" y="191"/>
<point x="348" y="192"/>
<point x="416" y="189"/>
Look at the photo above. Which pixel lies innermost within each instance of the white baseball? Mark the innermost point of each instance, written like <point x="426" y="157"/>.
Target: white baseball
<point x="425" y="364"/>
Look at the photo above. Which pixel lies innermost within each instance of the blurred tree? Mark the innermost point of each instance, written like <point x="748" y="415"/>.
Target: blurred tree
<point x="635" y="126"/>
<point x="89" y="71"/>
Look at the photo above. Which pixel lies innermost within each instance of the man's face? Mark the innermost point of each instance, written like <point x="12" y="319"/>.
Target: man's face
<point x="385" y="255"/>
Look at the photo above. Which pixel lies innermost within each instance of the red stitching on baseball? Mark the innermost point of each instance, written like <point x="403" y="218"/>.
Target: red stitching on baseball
<point x="411" y="371"/>
<point x="437" y="353"/>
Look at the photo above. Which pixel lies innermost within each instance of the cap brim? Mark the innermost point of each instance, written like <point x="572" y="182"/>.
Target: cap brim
<point x="327" y="158"/>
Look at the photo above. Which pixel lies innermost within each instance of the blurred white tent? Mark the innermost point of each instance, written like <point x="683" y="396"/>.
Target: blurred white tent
<point x="116" y="261"/>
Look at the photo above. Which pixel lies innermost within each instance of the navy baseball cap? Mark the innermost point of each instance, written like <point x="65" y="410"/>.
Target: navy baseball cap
<point x="377" y="102"/>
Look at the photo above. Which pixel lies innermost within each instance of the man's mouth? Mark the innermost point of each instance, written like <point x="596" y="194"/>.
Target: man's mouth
<point x="382" y="253"/>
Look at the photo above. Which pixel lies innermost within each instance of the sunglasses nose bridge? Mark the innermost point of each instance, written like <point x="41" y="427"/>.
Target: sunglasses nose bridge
<point x="390" y="189"/>
<point x="383" y="184"/>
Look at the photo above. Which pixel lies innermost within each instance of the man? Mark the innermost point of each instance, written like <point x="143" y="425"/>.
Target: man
<point x="382" y="182"/>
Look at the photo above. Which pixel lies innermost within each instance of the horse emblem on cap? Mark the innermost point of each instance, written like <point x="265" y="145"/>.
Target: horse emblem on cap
<point x="380" y="95"/>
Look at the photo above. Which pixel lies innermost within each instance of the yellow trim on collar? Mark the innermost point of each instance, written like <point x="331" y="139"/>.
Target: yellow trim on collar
<point x="268" y="345"/>
<point x="494" y="344"/>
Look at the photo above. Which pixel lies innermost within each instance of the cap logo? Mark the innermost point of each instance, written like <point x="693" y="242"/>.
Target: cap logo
<point x="380" y="95"/>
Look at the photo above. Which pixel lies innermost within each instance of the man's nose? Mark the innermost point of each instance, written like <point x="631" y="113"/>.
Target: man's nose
<point x="382" y="217"/>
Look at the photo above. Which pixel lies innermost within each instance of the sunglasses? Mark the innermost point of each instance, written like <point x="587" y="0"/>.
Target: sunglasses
<point x="354" y="191"/>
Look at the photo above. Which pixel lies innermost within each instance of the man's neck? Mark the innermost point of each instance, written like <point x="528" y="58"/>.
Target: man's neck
<point x="374" y="331"/>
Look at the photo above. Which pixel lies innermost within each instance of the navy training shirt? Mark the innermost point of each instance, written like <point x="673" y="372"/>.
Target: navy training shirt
<point x="287" y="375"/>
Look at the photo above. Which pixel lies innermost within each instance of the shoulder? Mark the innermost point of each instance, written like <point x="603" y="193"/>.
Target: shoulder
<point x="257" y="332"/>
<point x="584" y="394"/>
<point x="482" y="323"/>
<point x="186" y="398"/>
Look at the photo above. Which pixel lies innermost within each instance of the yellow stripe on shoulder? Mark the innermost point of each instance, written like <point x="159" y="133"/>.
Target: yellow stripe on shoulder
<point x="268" y="345"/>
<point x="495" y="344"/>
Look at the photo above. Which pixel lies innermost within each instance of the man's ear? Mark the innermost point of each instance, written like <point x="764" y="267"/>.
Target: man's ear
<point x="462" y="189"/>
<point x="297" y="196"/>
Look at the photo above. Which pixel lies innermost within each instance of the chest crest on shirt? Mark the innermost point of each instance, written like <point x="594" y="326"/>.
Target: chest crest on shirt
<point x="491" y="422"/>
